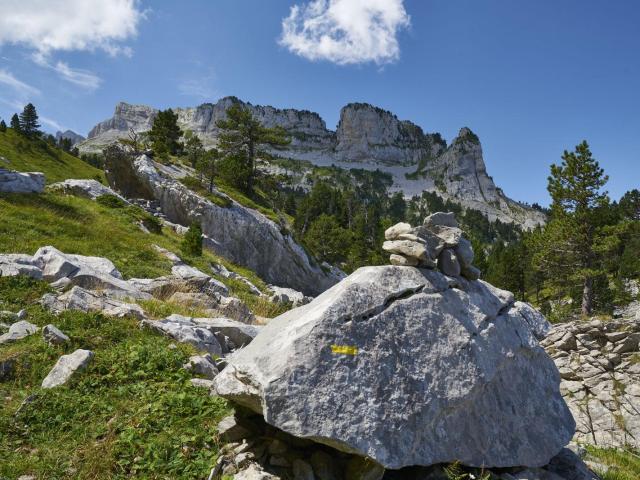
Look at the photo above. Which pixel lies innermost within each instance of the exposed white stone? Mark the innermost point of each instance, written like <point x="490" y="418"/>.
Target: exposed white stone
<point x="84" y="300"/>
<point x="66" y="366"/>
<point x="18" y="331"/>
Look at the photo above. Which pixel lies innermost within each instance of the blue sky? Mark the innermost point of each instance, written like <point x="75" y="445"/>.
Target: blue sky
<point x="531" y="78"/>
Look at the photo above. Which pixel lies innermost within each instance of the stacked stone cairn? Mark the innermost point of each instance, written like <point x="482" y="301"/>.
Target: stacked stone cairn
<point x="438" y="243"/>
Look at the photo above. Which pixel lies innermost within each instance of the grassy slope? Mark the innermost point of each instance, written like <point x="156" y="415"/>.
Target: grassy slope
<point x="82" y="226"/>
<point x="37" y="156"/>
<point x="132" y="413"/>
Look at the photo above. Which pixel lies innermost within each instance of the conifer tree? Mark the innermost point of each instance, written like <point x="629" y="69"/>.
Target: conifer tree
<point x="3" y="126"/>
<point x="29" y="125"/>
<point x="578" y="211"/>
<point x="15" y="122"/>
<point x="243" y="139"/>
<point x="165" y="134"/>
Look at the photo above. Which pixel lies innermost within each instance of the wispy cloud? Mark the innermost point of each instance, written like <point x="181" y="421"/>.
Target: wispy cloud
<point x="82" y="78"/>
<point x="20" y="87"/>
<point x="52" y="123"/>
<point x="345" y="31"/>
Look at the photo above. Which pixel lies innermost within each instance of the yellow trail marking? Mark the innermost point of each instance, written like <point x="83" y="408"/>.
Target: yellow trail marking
<point x="344" y="349"/>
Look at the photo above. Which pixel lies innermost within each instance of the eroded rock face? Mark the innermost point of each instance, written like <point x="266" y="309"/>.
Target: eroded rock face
<point x="599" y="363"/>
<point x="239" y="234"/>
<point x="408" y="367"/>
<point x="21" y="182"/>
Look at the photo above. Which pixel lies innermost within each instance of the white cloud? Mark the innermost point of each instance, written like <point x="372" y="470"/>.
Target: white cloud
<point x="50" y="25"/>
<point x="345" y="31"/>
<point x="23" y="89"/>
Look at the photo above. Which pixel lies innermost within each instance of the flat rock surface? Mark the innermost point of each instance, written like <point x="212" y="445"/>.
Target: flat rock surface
<point x="408" y="367"/>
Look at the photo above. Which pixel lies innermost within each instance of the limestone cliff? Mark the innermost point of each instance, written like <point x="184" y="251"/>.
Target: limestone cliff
<point x="366" y="137"/>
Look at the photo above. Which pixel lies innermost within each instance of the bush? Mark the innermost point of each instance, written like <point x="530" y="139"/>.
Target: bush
<point x="111" y="201"/>
<point x="192" y="241"/>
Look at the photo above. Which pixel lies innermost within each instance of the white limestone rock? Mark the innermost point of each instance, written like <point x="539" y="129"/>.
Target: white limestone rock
<point x="18" y="331"/>
<point x="84" y="300"/>
<point x="392" y="233"/>
<point x="54" y="336"/>
<point x="84" y="188"/>
<point x="407" y="367"/>
<point x="66" y="366"/>
<point x="14" y="264"/>
<point x="21" y="182"/>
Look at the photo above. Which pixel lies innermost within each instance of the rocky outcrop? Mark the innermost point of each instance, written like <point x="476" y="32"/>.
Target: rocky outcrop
<point x="408" y="367"/>
<point x="83" y="188"/>
<point x="13" y="264"/>
<point x="242" y="235"/>
<point x="21" y="182"/>
<point x="366" y="137"/>
<point x="599" y="363"/>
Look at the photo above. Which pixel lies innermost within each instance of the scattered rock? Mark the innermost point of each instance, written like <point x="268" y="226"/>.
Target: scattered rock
<point x="18" y="331"/>
<point x="53" y="336"/>
<point x="202" y="365"/>
<point x="288" y="296"/>
<point x="83" y="271"/>
<point x="91" y="301"/>
<point x="66" y="366"/>
<point x="185" y="331"/>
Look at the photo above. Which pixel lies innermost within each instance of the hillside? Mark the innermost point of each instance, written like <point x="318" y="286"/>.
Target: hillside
<point x="23" y="155"/>
<point x="366" y="137"/>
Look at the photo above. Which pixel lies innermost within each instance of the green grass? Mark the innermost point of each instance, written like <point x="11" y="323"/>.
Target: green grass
<point x="26" y="155"/>
<point x="86" y="227"/>
<point x="132" y="413"/>
<point x="623" y="464"/>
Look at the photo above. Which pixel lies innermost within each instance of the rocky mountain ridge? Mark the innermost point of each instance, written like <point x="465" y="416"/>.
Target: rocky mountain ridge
<point x="366" y="137"/>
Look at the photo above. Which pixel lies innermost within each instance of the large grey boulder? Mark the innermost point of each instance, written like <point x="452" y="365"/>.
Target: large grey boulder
<point x="66" y="366"/>
<point x="91" y="301"/>
<point x="408" y="367"/>
<point x="21" y="182"/>
<point x="184" y="330"/>
<point x="242" y="235"/>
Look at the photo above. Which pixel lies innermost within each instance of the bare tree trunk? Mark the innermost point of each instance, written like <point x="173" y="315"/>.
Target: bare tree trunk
<point x="587" y="296"/>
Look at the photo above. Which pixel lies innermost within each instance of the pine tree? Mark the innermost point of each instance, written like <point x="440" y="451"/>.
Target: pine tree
<point x="3" y="126"/>
<point x="193" y="148"/>
<point x="243" y="138"/>
<point x="577" y="214"/>
<point x="165" y="134"/>
<point x="206" y="166"/>
<point x="29" y="121"/>
<point x="15" y="123"/>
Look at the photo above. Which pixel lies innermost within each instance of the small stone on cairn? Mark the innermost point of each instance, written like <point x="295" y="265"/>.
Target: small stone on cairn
<point x="437" y="243"/>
